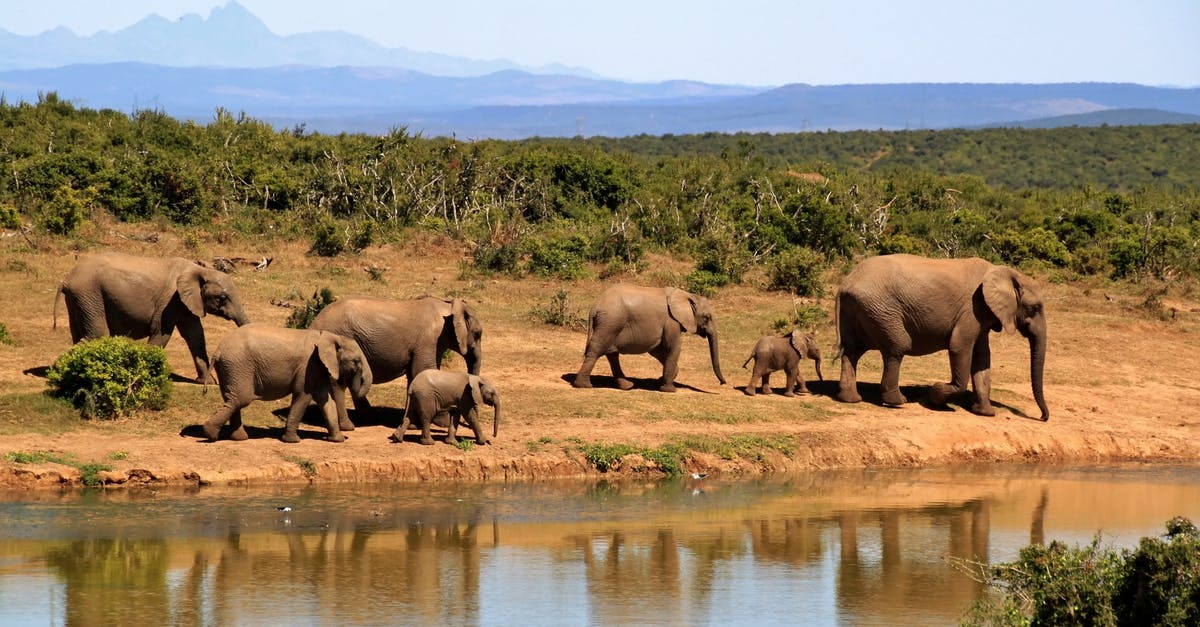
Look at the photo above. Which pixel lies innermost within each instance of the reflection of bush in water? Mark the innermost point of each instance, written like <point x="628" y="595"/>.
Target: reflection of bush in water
<point x="101" y="574"/>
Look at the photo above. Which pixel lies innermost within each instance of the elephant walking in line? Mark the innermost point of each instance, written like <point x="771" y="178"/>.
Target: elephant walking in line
<point x="775" y="352"/>
<point x="263" y="362"/>
<point x="405" y="337"/>
<point x="629" y="319"/>
<point x="458" y="394"/>
<point x="908" y="305"/>
<point x="147" y="297"/>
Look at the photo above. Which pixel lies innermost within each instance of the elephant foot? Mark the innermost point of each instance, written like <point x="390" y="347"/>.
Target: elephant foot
<point x="939" y="393"/>
<point x="290" y="437"/>
<point x="893" y="398"/>
<point x="624" y="384"/>
<point x="427" y="441"/>
<point x="211" y="431"/>
<point x="750" y="391"/>
<point x="238" y="434"/>
<point x="346" y="425"/>
<point x="849" y="396"/>
<point x="451" y="439"/>
<point x="666" y="387"/>
<point x="789" y="393"/>
<point x="483" y="440"/>
<point x="397" y="436"/>
<point x="582" y="382"/>
<point x="983" y="409"/>
<point x="336" y="438"/>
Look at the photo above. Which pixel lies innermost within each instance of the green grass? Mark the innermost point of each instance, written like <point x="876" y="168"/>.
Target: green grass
<point x="464" y="445"/>
<point x="671" y="456"/>
<point x="89" y="472"/>
<point x="36" y="412"/>
<point x="306" y="465"/>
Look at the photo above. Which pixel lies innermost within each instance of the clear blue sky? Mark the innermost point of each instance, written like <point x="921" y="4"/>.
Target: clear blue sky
<point x="753" y="42"/>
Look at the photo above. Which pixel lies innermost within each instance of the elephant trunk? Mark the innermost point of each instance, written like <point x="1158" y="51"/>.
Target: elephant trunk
<point x="496" y="418"/>
<point x="1037" y="368"/>
<point x="715" y="354"/>
<point x="360" y="385"/>
<point x="474" y="359"/>
<point x="817" y="363"/>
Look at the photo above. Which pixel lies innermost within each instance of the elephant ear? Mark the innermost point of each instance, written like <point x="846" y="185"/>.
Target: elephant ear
<point x="189" y="284"/>
<point x="682" y="308"/>
<point x="460" y="313"/>
<point x="473" y="388"/>
<point x="797" y="340"/>
<point x="1000" y="294"/>
<point x="327" y="352"/>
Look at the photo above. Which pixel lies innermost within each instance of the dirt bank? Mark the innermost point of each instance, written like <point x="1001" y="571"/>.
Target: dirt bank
<point x="1122" y="384"/>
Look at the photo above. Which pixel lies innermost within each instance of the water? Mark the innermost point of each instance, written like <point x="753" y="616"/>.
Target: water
<point x="861" y="547"/>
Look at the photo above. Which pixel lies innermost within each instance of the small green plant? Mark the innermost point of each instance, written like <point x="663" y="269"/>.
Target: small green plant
<point x="9" y="218"/>
<point x="306" y="466"/>
<point x="112" y="376"/>
<point x="705" y="282"/>
<point x="557" y="313"/>
<point x="302" y="315"/>
<point x="376" y="273"/>
<point x="117" y="456"/>
<point x="5" y="336"/>
<point x="464" y="445"/>
<point x="490" y="258"/>
<point x="89" y="472"/>
<point x="797" y="270"/>
<point x="327" y="241"/>
<point x="66" y="210"/>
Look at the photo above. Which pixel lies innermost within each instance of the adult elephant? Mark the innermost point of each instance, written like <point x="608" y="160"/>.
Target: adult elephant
<point x="909" y="305"/>
<point x="147" y="297"/>
<point x="629" y="319"/>
<point x="404" y="337"/>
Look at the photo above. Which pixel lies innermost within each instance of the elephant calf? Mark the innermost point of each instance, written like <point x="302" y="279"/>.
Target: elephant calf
<point x="774" y="352"/>
<point x="262" y="362"/>
<point x="433" y="392"/>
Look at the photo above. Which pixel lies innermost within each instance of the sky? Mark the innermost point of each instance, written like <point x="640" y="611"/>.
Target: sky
<point x="747" y="42"/>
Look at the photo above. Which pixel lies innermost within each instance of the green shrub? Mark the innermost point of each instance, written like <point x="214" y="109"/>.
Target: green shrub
<point x="1016" y="247"/>
<point x="112" y="376"/>
<point x="9" y="218"/>
<point x="557" y="313"/>
<point x="489" y="258"/>
<point x="302" y="315"/>
<point x="1158" y="583"/>
<point x="561" y="258"/>
<point x="327" y="241"/>
<point x="797" y="270"/>
<point x="705" y="282"/>
<point x="5" y="336"/>
<point x="65" y="210"/>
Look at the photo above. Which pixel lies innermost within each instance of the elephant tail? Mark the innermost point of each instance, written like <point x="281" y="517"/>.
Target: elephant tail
<point x="747" y="360"/>
<point x="57" y="297"/>
<point x="837" y="325"/>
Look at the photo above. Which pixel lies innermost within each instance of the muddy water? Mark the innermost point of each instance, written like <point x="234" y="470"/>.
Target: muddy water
<point x="862" y="547"/>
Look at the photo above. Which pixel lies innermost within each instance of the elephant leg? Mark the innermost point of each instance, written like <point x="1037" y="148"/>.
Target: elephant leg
<point x="792" y="376"/>
<point x="669" y="356"/>
<point x="890" y="384"/>
<point x="583" y="378"/>
<point x="472" y="417"/>
<point x="193" y="335"/>
<point x="362" y="406"/>
<point x="295" y="413"/>
<point x="614" y="364"/>
<point x="765" y="387"/>
<point x="426" y="422"/>
<point x="848" y="386"/>
<point x="328" y="406"/>
<point x="451" y="427"/>
<point x="755" y="378"/>
<point x="398" y="434"/>
<point x="212" y="427"/>
<point x="981" y="378"/>
<point x="238" y="430"/>
<point x="339" y="400"/>
<point x="960" y="374"/>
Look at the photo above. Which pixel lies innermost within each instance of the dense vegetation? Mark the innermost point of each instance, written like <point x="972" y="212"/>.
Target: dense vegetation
<point x="1119" y="202"/>
<point x="1156" y="583"/>
<point x="112" y="376"/>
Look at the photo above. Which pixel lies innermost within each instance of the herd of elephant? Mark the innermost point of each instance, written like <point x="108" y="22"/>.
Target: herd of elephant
<point x="897" y="304"/>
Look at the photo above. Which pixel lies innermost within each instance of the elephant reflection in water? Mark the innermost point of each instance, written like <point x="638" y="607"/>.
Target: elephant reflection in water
<point x="343" y="569"/>
<point x="92" y="569"/>
<point x="630" y="580"/>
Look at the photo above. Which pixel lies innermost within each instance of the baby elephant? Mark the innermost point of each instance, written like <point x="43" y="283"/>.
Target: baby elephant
<point x="773" y="353"/>
<point x="433" y="392"/>
<point x="263" y="362"/>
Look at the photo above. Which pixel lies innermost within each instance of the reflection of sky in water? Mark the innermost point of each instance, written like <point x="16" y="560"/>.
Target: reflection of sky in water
<point x="864" y="547"/>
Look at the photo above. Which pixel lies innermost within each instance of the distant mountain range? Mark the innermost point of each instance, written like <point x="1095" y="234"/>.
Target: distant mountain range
<point x="335" y="82"/>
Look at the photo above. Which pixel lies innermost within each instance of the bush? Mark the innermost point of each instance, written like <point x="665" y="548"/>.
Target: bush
<point x="65" y="211"/>
<point x="797" y="270"/>
<point x="1158" y="583"/>
<point x="562" y="258"/>
<point x="303" y="314"/>
<point x="556" y="313"/>
<point x="5" y="336"/>
<point x="112" y="376"/>
<point x="327" y="242"/>
<point x="503" y="258"/>
<point x="705" y="282"/>
<point x="9" y="218"/>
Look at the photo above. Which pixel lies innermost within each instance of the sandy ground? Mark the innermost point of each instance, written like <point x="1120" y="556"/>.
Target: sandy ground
<point x="1122" y="384"/>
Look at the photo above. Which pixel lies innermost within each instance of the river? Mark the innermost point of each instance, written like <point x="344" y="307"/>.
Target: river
<point x="846" y="547"/>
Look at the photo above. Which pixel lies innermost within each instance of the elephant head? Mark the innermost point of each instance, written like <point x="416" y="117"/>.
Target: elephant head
<point x="484" y="393"/>
<point x="345" y="362"/>
<point x="1017" y="304"/>
<point x="806" y="346"/>
<point x="462" y="332"/>
<point x="695" y="315"/>
<point x="205" y="290"/>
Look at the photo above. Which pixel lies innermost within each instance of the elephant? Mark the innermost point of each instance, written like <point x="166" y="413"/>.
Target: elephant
<point x="405" y="337"/>
<point x="629" y="319"/>
<point x="775" y="352"/>
<point x="147" y="297"/>
<point x="264" y="362"/>
<point x="434" y="392"/>
<point x="909" y="305"/>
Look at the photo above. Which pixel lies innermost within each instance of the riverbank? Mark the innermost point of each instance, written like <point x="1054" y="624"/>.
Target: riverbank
<point x="1122" y="382"/>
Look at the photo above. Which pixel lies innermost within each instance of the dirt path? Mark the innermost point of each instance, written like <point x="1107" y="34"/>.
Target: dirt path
<point x="1122" y="384"/>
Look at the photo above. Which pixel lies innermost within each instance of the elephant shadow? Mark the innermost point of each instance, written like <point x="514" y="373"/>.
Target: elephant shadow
<point x="377" y="417"/>
<point x="252" y="432"/>
<point x="37" y="371"/>
<point x="873" y="393"/>
<point x="652" y="385"/>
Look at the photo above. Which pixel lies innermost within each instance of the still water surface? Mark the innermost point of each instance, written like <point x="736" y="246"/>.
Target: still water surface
<point x="860" y="547"/>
